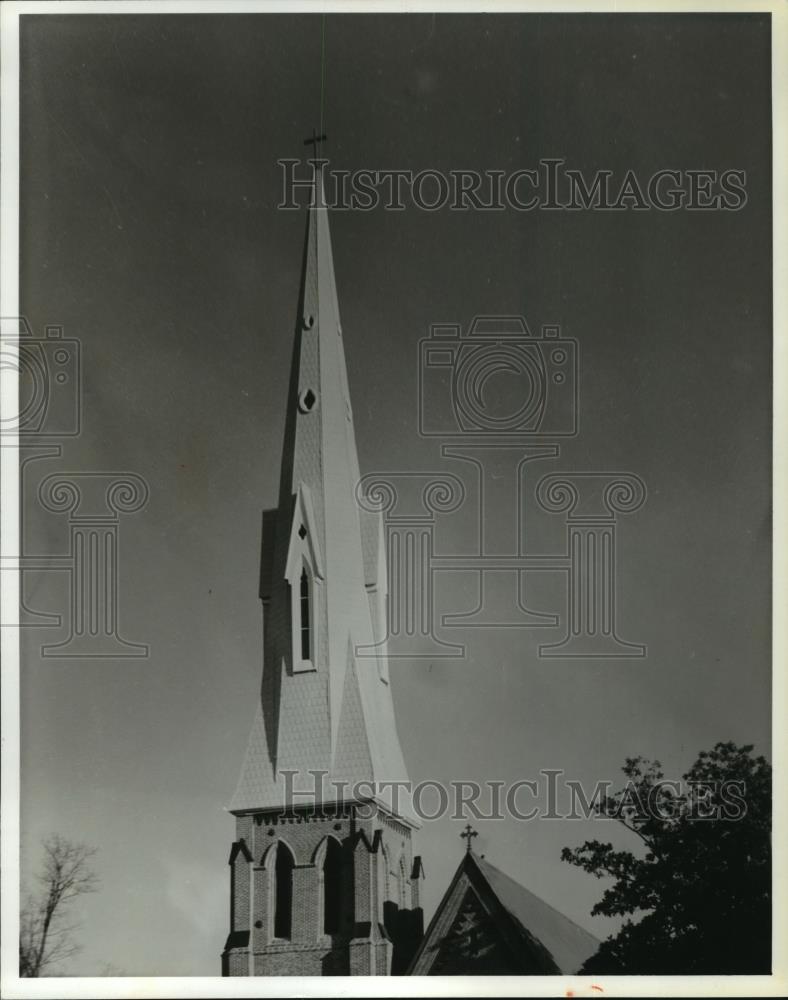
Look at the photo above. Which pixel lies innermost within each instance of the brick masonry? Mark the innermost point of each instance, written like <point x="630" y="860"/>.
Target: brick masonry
<point x="380" y="920"/>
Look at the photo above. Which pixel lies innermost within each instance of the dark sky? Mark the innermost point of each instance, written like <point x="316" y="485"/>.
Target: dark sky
<point x="150" y="232"/>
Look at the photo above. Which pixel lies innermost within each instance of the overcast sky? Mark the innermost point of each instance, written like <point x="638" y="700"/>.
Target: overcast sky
<point x="150" y="232"/>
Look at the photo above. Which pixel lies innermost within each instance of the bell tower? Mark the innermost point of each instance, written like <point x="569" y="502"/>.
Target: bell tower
<point x="323" y="880"/>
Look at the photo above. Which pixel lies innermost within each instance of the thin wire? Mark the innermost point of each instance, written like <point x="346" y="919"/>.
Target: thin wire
<point x="322" y="74"/>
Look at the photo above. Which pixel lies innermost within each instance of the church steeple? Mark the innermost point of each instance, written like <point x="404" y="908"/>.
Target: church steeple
<point x="322" y="707"/>
<point x="330" y="710"/>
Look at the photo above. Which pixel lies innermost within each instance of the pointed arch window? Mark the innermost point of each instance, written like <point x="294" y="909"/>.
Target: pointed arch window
<point x="332" y="887"/>
<point x="283" y="892"/>
<point x="304" y="574"/>
<point x="404" y="902"/>
<point x="384" y="885"/>
<point x="305" y="609"/>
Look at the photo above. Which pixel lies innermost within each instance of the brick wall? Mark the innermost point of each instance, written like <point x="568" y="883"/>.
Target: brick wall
<point x="372" y="929"/>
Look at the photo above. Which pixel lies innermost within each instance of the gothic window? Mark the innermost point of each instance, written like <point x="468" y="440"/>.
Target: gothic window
<point x="332" y="887"/>
<point x="403" y="886"/>
<point x="306" y="618"/>
<point x="388" y="894"/>
<point x="384" y="890"/>
<point x="303" y="615"/>
<point x="283" y="892"/>
<point x="304" y="575"/>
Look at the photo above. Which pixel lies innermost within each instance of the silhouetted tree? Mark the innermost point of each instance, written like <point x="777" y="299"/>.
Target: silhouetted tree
<point x="45" y="936"/>
<point x="701" y="885"/>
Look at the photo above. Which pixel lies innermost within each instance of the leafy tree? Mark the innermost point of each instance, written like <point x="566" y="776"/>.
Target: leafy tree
<point x="45" y="935"/>
<point x="701" y="883"/>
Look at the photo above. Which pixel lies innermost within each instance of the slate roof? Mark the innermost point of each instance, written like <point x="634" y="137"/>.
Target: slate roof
<point x="537" y="936"/>
<point x="568" y="943"/>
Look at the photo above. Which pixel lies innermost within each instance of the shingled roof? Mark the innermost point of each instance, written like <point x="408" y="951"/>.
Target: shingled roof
<point x="489" y="924"/>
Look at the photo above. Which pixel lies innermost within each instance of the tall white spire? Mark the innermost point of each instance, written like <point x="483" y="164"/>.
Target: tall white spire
<point x="323" y="575"/>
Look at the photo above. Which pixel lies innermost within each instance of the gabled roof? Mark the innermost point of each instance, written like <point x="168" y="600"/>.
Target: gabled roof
<point x="530" y="937"/>
<point x="568" y="943"/>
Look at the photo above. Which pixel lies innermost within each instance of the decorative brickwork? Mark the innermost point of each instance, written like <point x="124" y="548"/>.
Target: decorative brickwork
<point x="377" y="930"/>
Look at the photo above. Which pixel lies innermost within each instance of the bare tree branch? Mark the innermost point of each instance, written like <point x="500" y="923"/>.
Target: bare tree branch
<point x="44" y="937"/>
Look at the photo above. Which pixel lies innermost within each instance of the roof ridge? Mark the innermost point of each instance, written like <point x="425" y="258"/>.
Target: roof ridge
<point x="483" y="863"/>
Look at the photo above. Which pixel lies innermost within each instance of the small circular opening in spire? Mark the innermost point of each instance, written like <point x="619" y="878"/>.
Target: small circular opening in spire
<point x="309" y="321"/>
<point x="307" y="401"/>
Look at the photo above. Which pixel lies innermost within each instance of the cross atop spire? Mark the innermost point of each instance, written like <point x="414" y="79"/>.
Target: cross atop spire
<point x="314" y="140"/>
<point x="321" y="707"/>
<point x="468" y="834"/>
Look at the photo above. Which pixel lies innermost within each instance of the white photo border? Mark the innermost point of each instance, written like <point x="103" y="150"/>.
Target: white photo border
<point x="11" y="986"/>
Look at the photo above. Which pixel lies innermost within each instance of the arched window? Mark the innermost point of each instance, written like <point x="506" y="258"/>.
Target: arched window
<point x="304" y="574"/>
<point x="306" y="618"/>
<point x="384" y="891"/>
<point x="386" y="905"/>
<point x="283" y="892"/>
<point x="332" y="887"/>
<point x="402" y="879"/>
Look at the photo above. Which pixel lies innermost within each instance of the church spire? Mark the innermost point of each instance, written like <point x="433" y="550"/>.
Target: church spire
<point x="323" y="578"/>
<point x="332" y="890"/>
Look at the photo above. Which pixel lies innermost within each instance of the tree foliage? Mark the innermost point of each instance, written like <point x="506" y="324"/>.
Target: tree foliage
<point x="45" y="934"/>
<point x="697" y="896"/>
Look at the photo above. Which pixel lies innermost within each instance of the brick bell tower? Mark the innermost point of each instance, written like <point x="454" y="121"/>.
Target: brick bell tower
<point x="328" y="887"/>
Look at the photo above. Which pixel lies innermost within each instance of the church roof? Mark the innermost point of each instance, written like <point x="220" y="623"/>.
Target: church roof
<point x="568" y="943"/>
<point x="524" y="934"/>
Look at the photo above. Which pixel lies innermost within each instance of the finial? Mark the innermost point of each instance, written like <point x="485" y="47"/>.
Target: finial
<point x="467" y="834"/>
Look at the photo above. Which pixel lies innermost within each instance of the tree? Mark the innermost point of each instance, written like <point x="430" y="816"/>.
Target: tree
<point x="45" y="935"/>
<point x="701" y="882"/>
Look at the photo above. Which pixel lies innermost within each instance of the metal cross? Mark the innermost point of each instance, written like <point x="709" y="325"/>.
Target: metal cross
<point x="314" y="140"/>
<point x="467" y="834"/>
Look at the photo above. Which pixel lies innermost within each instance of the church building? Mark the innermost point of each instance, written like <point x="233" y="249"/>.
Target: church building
<point x="323" y="878"/>
<point x="489" y="925"/>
